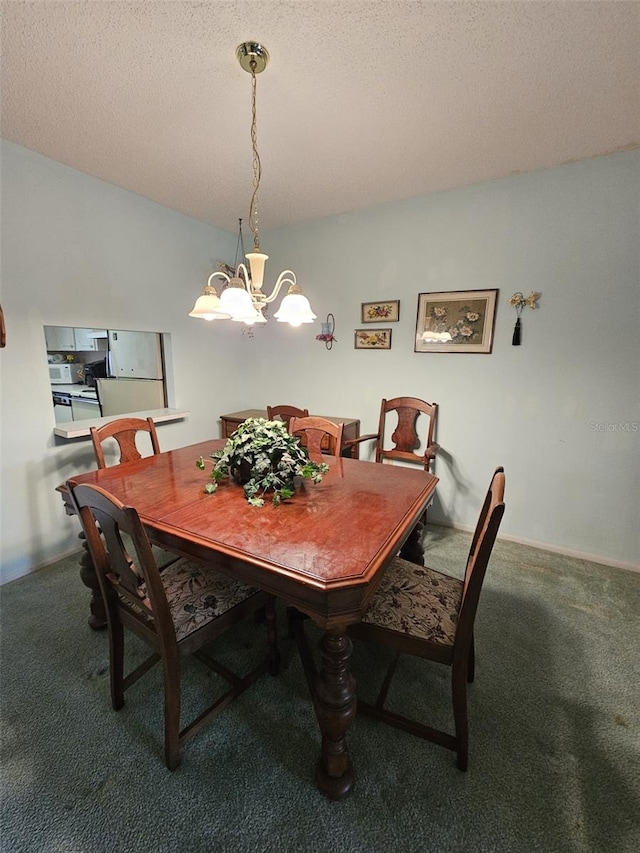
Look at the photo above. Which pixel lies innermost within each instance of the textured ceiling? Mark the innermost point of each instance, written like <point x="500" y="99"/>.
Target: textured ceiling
<point x="363" y="102"/>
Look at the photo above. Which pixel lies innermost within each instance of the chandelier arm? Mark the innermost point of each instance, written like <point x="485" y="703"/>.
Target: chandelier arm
<point x="286" y="276"/>
<point x="245" y="278"/>
<point x="218" y="274"/>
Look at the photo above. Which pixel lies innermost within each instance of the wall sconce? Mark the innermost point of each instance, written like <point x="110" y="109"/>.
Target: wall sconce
<point x="328" y="329"/>
<point x="520" y="301"/>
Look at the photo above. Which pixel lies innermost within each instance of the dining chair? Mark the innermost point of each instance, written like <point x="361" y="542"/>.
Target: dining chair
<point x="285" y="413"/>
<point x="124" y="431"/>
<point x="397" y="440"/>
<point x="418" y="611"/>
<point x="400" y="441"/>
<point x="319" y="435"/>
<point x="176" y="612"/>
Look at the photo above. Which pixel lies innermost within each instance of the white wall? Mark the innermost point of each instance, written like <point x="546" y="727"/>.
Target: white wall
<point x="77" y="251"/>
<point x="571" y="233"/>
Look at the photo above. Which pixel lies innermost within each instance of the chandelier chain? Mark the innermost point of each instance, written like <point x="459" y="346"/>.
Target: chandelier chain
<point x="242" y="298"/>
<point x="257" y="167"/>
<point x="239" y="249"/>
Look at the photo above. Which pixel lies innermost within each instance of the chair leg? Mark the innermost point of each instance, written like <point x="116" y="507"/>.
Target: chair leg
<point x="292" y="614"/>
<point x="272" y="637"/>
<point x="471" y="663"/>
<point x="386" y="684"/>
<point x="459" y="692"/>
<point x="116" y="654"/>
<point x="171" y="674"/>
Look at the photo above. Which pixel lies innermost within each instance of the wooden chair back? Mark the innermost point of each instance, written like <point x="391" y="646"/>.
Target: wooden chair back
<point x="153" y="606"/>
<point x="124" y="431"/>
<point x="484" y="538"/>
<point x="320" y="434"/>
<point x="285" y="413"/>
<point x="405" y="435"/>
<point x="127" y="572"/>
<point x="443" y="630"/>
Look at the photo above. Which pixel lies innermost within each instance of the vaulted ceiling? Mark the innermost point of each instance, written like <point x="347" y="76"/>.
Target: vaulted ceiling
<point x="363" y="101"/>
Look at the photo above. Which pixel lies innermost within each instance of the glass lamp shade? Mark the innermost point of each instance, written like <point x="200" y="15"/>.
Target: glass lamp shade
<point x="236" y="301"/>
<point x="295" y="310"/>
<point x="256" y="267"/>
<point x="251" y="319"/>
<point x="207" y="307"/>
<point x="258" y="319"/>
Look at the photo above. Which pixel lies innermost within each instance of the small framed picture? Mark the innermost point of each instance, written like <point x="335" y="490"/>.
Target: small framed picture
<point x="387" y="311"/>
<point x="373" y="338"/>
<point x="456" y="321"/>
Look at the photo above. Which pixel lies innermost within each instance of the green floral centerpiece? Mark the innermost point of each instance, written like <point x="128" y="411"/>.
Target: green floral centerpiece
<point x="263" y="457"/>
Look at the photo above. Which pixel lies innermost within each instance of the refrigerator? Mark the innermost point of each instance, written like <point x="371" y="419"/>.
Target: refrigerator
<point x="135" y="355"/>
<point x="134" y="381"/>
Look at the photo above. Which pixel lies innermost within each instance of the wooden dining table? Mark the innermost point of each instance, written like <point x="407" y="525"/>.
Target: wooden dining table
<point x="322" y="552"/>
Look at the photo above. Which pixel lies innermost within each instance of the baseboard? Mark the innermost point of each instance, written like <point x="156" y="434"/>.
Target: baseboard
<point x="554" y="549"/>
<point x="7" y="576"/>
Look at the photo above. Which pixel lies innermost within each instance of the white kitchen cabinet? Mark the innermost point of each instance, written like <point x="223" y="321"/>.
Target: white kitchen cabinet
<point x="84" y="409"/>
<point x="60" y="337"/>
<point x="68" y="338"/>
<point x="62" y="414"/>
<point x="90" y="339"/>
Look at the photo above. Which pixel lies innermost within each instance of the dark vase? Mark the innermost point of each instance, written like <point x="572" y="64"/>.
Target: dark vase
<point x="242" y="474"/>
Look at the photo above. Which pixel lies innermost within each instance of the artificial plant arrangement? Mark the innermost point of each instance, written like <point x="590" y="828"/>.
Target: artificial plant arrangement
<point x="263" y="457"/>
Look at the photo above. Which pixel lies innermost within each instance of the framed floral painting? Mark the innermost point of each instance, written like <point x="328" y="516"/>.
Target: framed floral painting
<point x="387" y="311"/>
<point x="373" y="338"/>
<point x="456" y="321"/>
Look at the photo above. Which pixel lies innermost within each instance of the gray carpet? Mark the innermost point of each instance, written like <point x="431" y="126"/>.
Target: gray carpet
<point x="554" y="759"/>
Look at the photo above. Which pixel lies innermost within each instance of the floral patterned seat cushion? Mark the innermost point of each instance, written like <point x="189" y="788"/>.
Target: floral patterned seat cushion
<point x="417" y="601"/>
<point x="197" y="595"/>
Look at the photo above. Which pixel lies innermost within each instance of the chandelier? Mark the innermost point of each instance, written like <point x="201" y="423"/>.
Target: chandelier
<point x="242" y="298"/>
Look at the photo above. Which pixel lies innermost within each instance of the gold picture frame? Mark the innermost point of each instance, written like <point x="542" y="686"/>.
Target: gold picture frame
<point x="456" y="321"/>
<point x="372" y="339"/>
<point x="383" y="311"/>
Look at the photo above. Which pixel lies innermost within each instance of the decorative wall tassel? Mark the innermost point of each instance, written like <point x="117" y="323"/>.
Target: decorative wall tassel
<point x="515" y="340"/>
<point x="519" y="301"/>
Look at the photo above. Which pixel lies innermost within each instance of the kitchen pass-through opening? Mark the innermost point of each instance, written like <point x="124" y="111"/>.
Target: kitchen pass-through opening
<point x="99" y="372"/>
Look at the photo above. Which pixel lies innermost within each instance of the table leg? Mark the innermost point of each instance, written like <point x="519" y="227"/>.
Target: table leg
<point x="98" y="618"/>
<point x="335" y="706"/>
<point x="412" y="549"/>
